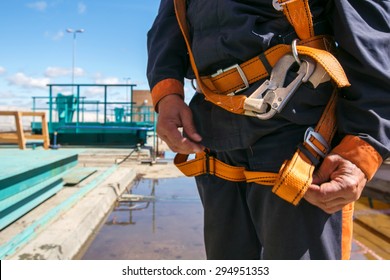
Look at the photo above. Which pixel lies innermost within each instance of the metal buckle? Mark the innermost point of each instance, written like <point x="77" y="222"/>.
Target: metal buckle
<point x="310" y="132"/>
<point x="208" y="156"/>
<point x="242" y="75"/>
<point x="279" y="6"/>
<point x="271" y="97"/>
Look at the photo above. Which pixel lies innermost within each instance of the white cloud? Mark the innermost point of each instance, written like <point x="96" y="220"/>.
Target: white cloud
<point x="2" y="70"/>
<point x="56" y="36"/>
<point x="20" y="79"/>
<point x="79" y="72"/>
<point x="39" y="6"/>
<point x="54" y="72"/>
<point x="7" y="94"/>
<point x="108" y="80"/>
<point x="94" y="91"/>
<point x="81" y="8"/>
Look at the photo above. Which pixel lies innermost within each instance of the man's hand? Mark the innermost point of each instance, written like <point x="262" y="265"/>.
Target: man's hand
<point x="174" y="114"/>
<point x="336" y="183"/>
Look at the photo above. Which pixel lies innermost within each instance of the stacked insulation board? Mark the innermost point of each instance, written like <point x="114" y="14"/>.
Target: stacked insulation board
<point x="29" y="177"/>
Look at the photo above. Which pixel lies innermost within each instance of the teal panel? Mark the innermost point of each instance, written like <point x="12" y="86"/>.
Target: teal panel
<point x="17" y="210"/>
<point x="15" y="161"/>
<point x="22" y="169"/>
<point x="28" y="193"/>
<point x="30" y="232"/>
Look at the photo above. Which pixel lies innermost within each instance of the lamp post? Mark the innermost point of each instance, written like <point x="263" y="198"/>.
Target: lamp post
<point x="74" y="32"/>
<point x="127" y="79"/>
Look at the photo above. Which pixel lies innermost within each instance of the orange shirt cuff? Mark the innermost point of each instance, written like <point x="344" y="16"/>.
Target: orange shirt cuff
<point x="360" y="153"/>
<point x="164" y="88"/>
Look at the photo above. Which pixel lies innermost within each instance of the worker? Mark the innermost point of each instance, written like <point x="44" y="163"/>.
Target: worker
<point x="246" y="219"/>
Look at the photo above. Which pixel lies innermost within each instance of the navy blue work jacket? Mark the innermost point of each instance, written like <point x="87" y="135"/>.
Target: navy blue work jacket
<point x="226" y="32"/>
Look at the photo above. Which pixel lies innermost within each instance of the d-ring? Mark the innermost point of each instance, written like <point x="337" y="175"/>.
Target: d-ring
<point x="295" y="51"/>
<point x="193" y="84"/>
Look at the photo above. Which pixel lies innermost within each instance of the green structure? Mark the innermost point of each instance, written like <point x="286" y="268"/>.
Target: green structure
<point x="77" y="119"/>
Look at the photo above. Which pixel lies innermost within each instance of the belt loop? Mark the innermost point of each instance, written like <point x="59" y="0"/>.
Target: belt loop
<point x="208" y="158"/>
<point x="207" y="163"/>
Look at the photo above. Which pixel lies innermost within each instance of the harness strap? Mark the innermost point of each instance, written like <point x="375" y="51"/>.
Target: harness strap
<point x="204" y="163"/>
<point x="217" y="88"/>
<point x="295" y="175"/>
<point x="259" y="68"/>
<point x="298" y="14"/>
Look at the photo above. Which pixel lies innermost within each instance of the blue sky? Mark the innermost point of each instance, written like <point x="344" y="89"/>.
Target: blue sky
<point x="35" y="48"/>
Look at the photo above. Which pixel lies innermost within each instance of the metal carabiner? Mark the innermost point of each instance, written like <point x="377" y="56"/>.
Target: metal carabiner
<point x="271" y="97"/>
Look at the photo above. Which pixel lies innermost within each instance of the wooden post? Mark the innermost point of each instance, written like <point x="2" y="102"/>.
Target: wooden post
<point x="45" y="132"/>
<point x="19" y="130"/>
<point x="19" y="137"/>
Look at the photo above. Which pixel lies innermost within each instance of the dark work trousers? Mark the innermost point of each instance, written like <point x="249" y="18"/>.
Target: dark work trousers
<point x="248" y="221"/>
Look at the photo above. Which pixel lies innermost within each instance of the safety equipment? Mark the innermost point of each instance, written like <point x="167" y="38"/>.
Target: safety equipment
<point x="311" y="53"/>
<point x="272" y="96"/>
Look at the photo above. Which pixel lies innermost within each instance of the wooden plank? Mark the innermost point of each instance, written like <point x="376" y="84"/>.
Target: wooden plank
<point x="25" y="113"/>
<point x="8" y="135"/>
<point x="376" y="248"/>
<point x="372" y="226"/>
<point x="9" y="140"/>
<point x="33" y="114"/>
<point x="33" y="136"/>
<point x="19" y="131"/>
<point x="45" y="132"/>
<point x="8" y="113"/>
<point x="376" y="219"/>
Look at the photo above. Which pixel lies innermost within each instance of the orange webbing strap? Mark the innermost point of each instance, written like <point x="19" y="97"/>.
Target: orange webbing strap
<point x="298" y="14"/>
<point x="254" y="69"/>
<point x="216" y="88"/>
<point x="226" y="102"/>
<point x="294" y="177"/>
<point x="206" y="164"/>
<point x="296" y="174"/>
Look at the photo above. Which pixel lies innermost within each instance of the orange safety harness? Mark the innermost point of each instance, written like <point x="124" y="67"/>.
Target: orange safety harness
<point x="295" y="175"/>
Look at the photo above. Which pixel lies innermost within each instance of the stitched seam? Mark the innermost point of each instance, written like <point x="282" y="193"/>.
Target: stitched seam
<point x="308" y="19"/>
<point x="318" y="58"/>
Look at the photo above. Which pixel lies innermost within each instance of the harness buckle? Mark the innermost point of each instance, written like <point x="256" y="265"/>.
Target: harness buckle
<point x="312" y="134"/>
<point x="279" y="6"/>
<point x="240" y="72"/>
<point x="271" y="97"/>
<point x="208" y="157"/>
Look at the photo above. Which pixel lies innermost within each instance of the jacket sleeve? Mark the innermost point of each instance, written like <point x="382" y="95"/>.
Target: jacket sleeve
<point x="167" y="54"/>
<point x="362" y="31"/>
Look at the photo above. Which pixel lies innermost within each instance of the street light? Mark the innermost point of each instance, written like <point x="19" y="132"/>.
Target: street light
<point x="69" y="30"/>
<point x="127" y="79"/>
